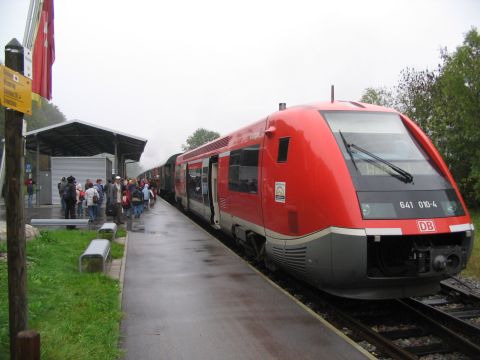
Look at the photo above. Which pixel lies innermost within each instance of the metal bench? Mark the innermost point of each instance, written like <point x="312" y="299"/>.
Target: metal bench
<point x="95" y="257"/>
<point x="107" y="231"/>
<point x="60" y="222"/>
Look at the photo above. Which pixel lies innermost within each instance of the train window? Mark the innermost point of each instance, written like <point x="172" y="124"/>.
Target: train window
<point x="194" y="186"/>
<point x="283" y="149"/>
<point x="243" y="170"/>
<point x="177" y="174"/>
<point x="205" y="185"/>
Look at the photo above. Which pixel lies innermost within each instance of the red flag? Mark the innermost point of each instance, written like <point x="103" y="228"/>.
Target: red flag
<point x="44" y="52"/>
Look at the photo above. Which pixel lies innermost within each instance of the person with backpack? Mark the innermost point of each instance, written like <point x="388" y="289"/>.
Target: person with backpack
<point x="137" y="202"/>
<point x="101" y="194"/>
<point x="70" y="198"/>
<point x="91" y="195"/>
<point x="80" y="200"/>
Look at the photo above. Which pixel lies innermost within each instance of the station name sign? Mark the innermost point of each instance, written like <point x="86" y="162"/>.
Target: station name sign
<point x="15" y="90"/>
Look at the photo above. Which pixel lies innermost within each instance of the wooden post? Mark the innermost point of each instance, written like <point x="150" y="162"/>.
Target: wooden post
<point x="28" y="345"/>
<point x="14" y="201"/>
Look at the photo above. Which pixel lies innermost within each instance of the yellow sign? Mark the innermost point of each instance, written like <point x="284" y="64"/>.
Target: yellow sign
<point x="15" y="90"/>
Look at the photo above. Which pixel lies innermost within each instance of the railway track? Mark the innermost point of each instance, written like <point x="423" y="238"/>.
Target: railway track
<point x="414" y="328"/>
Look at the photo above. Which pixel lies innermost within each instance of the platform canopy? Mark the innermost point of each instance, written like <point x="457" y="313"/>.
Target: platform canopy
<point x="79" y="138"/>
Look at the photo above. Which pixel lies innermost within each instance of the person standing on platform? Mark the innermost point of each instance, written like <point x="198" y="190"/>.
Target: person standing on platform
<point x="137" y="202"/>
<point x="106" y="191"/>
<point x="70" y="197"/>
<point x="61" y="187"/>
<point x="146" y="196"/>
<point x="91" y="195"/>
<point x="101" y="194"/>
<point x="30" y="192"/>
<point x="115" y="199"/>
<point x="80" y="199"/>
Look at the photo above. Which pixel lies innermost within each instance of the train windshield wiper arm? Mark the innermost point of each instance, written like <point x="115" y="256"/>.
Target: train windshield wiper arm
<point x="405" y="174"/>
<point x="348" y="149"/>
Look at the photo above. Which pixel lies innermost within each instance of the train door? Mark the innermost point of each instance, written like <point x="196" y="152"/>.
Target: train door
<point x="183" y="186"/>
<point x="213" y="185"/>
<point x="205" y="191"/>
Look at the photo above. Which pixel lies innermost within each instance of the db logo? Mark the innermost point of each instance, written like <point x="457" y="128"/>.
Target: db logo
<point x="426" y="225"/>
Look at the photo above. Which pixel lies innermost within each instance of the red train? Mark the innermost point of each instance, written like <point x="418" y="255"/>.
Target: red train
<point x="351" y="197"/>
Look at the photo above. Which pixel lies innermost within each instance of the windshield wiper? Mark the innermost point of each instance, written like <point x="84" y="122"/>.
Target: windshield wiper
<point x="348" y="150"/>
<point x="408" y="178"/>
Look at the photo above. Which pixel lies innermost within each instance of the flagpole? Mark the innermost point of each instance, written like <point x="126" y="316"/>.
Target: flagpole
<point x="31" y="25"/>
<point x="28" y="23"/>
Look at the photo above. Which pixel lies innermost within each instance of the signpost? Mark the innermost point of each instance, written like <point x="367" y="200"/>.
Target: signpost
<point x="15" y="90"/>
<point x="14" y="96"/>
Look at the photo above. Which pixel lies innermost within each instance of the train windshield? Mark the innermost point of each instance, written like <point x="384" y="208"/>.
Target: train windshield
<point x="382" y="135"/>
<point x="394" y="177"/>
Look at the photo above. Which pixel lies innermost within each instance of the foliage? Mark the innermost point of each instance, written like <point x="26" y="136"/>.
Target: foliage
<point x="445" y="103"/>
<point x="199" y="137"/>
<point x="379" y="96"/>
<point x="43" y="114"/>
<point x="473" y="267"/>
<point x="77" y="314"/>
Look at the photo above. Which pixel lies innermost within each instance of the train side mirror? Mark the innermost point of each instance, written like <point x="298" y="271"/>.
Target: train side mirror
<point x="270" y="131"/>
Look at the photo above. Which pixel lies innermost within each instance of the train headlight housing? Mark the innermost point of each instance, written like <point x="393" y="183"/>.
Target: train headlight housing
<point x="450" y="207"/>
<point x="366" y="210"/>
<point x="373" y="210"/>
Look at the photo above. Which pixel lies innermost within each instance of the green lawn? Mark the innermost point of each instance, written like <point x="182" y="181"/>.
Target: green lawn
<point x="77" y="315"/>
<point x="473" y="268"/>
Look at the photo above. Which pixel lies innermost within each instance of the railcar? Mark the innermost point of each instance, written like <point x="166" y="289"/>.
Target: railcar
<point x="164" y="177"/>
<point x="350" y="197"/>
<point x="166" y="183"/>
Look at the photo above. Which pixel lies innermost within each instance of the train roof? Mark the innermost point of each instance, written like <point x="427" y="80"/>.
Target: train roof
<point x="338" y="105"/>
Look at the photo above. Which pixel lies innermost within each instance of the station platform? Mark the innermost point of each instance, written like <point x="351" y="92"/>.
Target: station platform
<point x="186" y="296"/>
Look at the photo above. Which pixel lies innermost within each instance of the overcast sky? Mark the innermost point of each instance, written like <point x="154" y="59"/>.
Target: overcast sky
<point x="159" y="70"/>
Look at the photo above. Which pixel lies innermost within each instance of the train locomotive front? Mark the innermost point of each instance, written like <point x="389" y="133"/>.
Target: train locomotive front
<point x="353" y="198"/>
<point x="369" y="209"/>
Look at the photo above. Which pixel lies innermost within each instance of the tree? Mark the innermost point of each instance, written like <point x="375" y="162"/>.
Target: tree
<point x="446" y="105"/>
<point x="457" y="107"/>
<point x="379" y="96"/>
<point x="43" y="114"/>
<point x="199" y="137"/>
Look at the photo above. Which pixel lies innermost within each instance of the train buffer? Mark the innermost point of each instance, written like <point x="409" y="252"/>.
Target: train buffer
<point x="96" y="257"/>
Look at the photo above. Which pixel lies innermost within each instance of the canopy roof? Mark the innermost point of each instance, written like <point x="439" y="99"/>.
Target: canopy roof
<point x="79" y="138"/>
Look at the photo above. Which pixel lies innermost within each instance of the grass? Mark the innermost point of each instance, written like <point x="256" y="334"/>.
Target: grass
<point x="473" y="268"/>
<point x="77" y="314"/>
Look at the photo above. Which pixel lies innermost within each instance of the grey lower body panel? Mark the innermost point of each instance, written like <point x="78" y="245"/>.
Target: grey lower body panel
<point x="337" y="263"/>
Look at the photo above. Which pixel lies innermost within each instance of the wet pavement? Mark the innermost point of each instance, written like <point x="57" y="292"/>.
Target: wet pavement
<point x="188" y="297"/>
<point x="56" y="212"/>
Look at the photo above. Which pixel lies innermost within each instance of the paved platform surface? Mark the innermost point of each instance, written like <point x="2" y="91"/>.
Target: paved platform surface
<point x="188" y="297"/>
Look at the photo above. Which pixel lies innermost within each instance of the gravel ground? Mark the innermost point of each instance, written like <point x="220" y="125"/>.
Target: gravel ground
<point x="469" y="283"/>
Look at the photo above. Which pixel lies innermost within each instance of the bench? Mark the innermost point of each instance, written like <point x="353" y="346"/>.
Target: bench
<point x="60" y="222"/>
<point x="107" y="231"/>
<point x="95" y="257"/>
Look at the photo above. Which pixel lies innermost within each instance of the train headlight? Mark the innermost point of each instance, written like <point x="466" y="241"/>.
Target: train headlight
<point x="374" y="210"/>
<point x="450" y="207"/>
<point x="366" y="210"/>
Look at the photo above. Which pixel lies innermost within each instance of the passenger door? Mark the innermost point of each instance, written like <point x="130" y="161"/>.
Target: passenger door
<point x="215" y="210"/>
